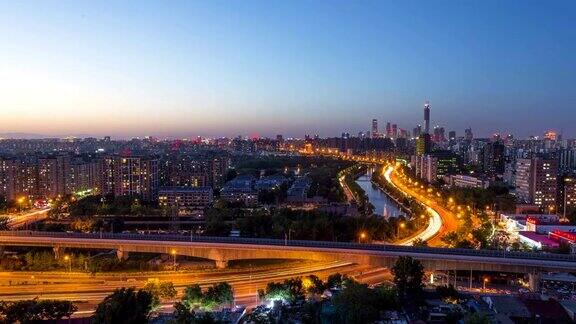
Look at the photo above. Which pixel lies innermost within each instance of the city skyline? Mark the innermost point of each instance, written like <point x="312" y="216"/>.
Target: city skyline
<point x="224" y="69"/>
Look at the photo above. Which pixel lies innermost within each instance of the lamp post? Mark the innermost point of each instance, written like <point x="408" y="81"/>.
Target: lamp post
<point x="173" y="252"/>
<point x="484" y="282"/>
<point x="69" y="260"/>
<point x="401" y="225"/>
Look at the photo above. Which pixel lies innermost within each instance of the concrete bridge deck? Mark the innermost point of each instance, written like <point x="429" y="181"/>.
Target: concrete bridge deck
<point x="224" y="249"/>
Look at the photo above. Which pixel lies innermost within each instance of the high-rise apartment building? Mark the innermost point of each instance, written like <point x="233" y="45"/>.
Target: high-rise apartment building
<point x="7" y="169"/>
<point x="536" y="181"/>
<point x="136" y="176"/>
<point x="52" y="175"/>
<point x="566" y="193"/>
<point x="83" y="175"/>
<point x="423" y="144"/>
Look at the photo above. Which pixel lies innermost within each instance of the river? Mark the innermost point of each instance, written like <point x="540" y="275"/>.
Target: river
<point x="383" y="205"/>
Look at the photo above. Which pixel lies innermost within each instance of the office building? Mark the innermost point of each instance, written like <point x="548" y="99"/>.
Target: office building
<point x="492" y="158"/>
<point x="427" y="117"/>
<point x="468" y="136"/>
<point x="375" y="128"/>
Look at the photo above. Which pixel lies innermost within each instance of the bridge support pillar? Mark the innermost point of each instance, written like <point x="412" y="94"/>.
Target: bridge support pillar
<point x="221" y="264"/>
<point x="57" y="251"/>
<point x="121" y="254"/>
<point x="534" y="281"/>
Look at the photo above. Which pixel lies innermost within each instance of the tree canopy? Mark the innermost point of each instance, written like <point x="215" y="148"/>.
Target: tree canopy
<point x="125" y="305"/>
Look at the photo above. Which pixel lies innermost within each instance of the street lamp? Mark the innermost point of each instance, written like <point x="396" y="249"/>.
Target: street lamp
<point x="69" y="260"/>
<point x="484" y="283"/>
<point x="173" y="252"/>
<point x="361" y="237"/>
<point x="401" y="225"/>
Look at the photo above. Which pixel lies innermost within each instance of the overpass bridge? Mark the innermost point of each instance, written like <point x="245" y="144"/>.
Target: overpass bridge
<point x="224" y="249"/>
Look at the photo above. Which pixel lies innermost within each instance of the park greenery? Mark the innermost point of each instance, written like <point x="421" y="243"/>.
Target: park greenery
<point x="195" y="305"/>
<point x="161" y="290"/>
<point x="4" y="223"/>
<point x="302" y="298"/>
<point x="44" y="260"/>
<point x="34" y="310"/>
<point x="323" y="172"/>
<point x="307" y="225"/>
<point x="493" y="197"/>
<point x="8" y="206"/>
<point x="351" y="301"/>
<point x="125" y="305"/>
<point x="350" y="175"/>
<point x="408" y="278"/>
<point x="101" y="205"/>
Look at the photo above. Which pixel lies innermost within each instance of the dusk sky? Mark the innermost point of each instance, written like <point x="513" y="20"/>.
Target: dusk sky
<point x="184" y="68"/>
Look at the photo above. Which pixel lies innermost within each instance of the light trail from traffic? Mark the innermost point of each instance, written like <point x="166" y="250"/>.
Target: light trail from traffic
<point x="21" y="220"/>
<point x="88" y="290"/>
<point x="435" y="222"/>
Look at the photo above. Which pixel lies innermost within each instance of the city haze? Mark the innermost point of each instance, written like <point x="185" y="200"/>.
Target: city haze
<point x="266" y="68"/>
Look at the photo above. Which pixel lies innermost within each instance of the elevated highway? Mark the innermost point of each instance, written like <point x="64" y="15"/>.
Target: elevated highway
<point x="224" y="249"/>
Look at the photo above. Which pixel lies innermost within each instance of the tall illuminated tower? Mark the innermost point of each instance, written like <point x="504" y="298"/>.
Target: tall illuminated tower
<point x="374" y="128"/>
<point x="427" y="117"/>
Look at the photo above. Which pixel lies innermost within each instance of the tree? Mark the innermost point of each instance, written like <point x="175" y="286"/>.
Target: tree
<point x="27" y="311"/>
<point x="313" y="285"/>
<point x="125" y="305"/>
<point x="217" y="295"/>
<point x="4" y="223"/>
<point x="476" y="318"/>
<point x="275" y="291"/>
<point x="408" y="277"/>
<point x="192" y="296"/>
<point x="448" y="293"/>
<point x="56" y="309"/>
<point x="183" y="314"/>
<point x="164" y="289"/>
<point x="335" y="280"/>
<point x="420" y="243"/>
<point x="356" y="304"/>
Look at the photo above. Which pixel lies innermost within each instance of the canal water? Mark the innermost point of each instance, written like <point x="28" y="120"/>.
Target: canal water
<point x="383" y="205"/>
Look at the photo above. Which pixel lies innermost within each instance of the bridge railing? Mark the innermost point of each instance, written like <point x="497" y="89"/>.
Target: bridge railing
<point x="298" y="243"/>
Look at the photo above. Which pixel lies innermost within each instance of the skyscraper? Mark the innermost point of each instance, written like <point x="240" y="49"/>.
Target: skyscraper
<point x="374" y="128"/>
<point x="388" y="130"/>
<point x="427" y="117"/>
<point x="468" y="134"/>
<point x="423" y="144"/>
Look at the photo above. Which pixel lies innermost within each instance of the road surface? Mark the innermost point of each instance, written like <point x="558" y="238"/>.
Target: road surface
<point x="441" y="219"/>
<point x="89" y="290"/>
<point x="21" y="220"/>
